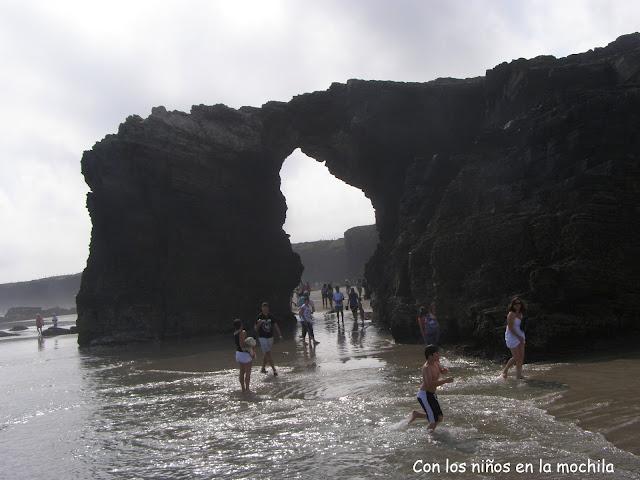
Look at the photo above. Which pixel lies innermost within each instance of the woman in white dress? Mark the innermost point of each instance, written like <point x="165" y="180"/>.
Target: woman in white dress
<point x="514" y="336"/>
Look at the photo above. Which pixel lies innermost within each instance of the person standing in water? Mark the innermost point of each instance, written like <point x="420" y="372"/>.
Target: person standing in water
<point x="354" y="305"/>
<point x="244" y="355"/>
<point x="514" y="337"/>
<point x="428" y="323"/>
<point x="265" y="325"/>
<point x="306" y="314"/>
<point x="338" y="306"/>
<point x="39" y="323"/>
<point x="427" y="398"/>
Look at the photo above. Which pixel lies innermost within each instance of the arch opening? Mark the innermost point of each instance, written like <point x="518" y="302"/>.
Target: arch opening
<point x="330" y="223"/>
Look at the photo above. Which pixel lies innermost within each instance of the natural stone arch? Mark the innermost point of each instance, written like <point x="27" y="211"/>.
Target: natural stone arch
<point x="483" y="188"/>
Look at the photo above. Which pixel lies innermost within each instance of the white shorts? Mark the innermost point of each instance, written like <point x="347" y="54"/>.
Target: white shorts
<point x="266" y="344"/>
<point x="243" y="357"/>
<point x="511" y="340"/>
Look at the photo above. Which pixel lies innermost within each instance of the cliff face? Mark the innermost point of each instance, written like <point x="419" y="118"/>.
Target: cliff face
<point x="360" y="244"/>
<point x="337" y="260"/>
<point x="523" y="181"/>
<point x="323" y="260"/>
<point x="48" y="292"/>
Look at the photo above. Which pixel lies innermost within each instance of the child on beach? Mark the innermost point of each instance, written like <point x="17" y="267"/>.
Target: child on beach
<point x="427" y="398"/>
<point x="244" y="354"/>
<point x="266" y="324"/>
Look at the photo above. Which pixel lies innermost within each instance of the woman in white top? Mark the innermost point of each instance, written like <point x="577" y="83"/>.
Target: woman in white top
<point x="514" y="336"/>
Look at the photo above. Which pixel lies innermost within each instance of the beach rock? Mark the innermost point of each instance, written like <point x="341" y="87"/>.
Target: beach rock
<point x="18" y="328"/>
<point x="525" y="181"/>
<point x="54" y="331"/>
<point x="7" y="334"/>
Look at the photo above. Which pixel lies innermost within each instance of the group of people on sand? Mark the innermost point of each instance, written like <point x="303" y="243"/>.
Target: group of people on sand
<point x="266" y="325"/>
<point x="514" y="338"/>
<point x="338" y="303"/>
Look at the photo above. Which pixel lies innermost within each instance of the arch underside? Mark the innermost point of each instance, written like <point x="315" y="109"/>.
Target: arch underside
<point x="483" y="188"/>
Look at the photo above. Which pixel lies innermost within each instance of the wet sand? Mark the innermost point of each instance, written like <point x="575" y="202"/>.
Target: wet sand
<point x="602" y="396"/>
<point x="174" y="410"/>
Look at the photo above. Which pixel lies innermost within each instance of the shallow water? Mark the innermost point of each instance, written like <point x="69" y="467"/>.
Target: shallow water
<point x="175" y="411"/>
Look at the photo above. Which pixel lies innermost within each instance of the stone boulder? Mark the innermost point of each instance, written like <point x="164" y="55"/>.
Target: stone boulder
<point x="55" y="331"/>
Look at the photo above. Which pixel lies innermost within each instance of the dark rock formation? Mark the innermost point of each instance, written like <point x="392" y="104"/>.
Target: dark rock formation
<point x="55" y="331"/>
<point x="523" y="181"/>
<point x="48" y="292"/>
<point x="18" y="328"/>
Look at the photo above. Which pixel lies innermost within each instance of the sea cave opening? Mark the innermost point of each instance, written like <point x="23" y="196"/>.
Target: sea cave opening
<point x="330" y="223"/>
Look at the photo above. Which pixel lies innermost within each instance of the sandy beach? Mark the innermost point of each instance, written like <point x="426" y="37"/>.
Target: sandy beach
<point x="602" y="396"/>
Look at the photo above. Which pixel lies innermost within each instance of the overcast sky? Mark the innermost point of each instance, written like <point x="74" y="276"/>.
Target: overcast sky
<point x="72" y="71"/>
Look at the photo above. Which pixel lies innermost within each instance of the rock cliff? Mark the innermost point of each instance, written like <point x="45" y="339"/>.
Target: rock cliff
<point x="336" y="260"/>
<point x="323" y="260"/>
<point x="47" y="292"/>
<point x="524" y="181"/>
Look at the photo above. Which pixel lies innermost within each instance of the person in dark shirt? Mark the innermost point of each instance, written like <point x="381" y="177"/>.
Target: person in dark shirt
<point x="355" y="305"/>
<point x="265" y="325"/>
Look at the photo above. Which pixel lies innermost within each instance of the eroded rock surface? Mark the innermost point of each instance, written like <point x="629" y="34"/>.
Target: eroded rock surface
<point x="524" y="181"/>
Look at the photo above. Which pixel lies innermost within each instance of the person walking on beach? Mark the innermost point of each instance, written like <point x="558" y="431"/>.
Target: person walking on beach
<point x="39" y="323"/>
<point x="306" y="315"/>
<point x="244" y="354"/>
<point x="514" y="337"/>
<point x="265" y="325"/>
<point x="354" y="305"/>
<point x="338" y="299"/>
<point x="330" y="295"/>
<point x="427" y="398"/>
<point x="428" y="323"/>
<point x="323" y="293"/>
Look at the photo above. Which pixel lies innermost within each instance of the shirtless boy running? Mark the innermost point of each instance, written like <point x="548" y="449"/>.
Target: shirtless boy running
<point x="431" y="371"/>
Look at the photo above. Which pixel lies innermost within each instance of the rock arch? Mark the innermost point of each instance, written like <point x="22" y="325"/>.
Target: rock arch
<point x="483" y="188"/>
